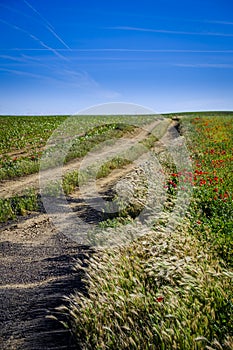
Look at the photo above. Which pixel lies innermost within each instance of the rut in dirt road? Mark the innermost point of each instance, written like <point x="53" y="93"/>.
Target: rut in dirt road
<point x="37" y="271"/>
<point x="34" y="279"/>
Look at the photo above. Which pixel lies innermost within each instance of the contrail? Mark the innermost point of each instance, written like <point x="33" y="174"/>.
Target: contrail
<point x="123" y="50"/>
<point x="35" y="38"/>
<point x="47" y="25"/>
<point x="58" y="37"/>
<point x="19" y="72"/>
<point x="17" y="11"/>
<point x="214" y="22"/>
<point x="38" y="13"/>
<point x="164" y="31"/>
<point x="204" y="65"/>
<point x="16" y="59"/>
<point x="47" y="47"/>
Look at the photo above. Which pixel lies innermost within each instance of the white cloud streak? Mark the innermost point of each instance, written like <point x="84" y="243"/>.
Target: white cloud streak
<point x="174" y="32"/>
<point x="37" y="12"/>
<point x="17" y="11"/>
<point x="123" y="50"/>
<point x="47" y="25"/>
<point x="204" y="65"/>
<point x="63" y="77"/>
<point x="22" y="73"/>
<point x="45" y="46"/>
<point x="71" y="77"/>
<point x="12" y="58"/>
<point x="217" y="22"/>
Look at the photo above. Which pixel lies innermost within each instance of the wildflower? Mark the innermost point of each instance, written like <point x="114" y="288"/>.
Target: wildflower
<point x="202" y="182"/>
<point x="159" y="299"/>
<point x="172" y="183"/>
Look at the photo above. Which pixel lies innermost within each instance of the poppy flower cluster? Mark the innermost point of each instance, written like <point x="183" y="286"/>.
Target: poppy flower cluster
<point x="181" y="178"/>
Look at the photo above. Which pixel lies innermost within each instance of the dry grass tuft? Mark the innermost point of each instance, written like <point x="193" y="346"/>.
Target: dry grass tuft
<point x="162" y="291"/>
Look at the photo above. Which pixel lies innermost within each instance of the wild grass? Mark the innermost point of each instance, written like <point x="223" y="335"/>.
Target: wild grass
<point x="163" y="291"/>
<point x="166" y="289"/>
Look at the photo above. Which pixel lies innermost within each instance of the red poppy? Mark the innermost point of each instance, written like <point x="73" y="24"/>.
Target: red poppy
<point x="202" y="182"/>
<point x="159" y="299"/>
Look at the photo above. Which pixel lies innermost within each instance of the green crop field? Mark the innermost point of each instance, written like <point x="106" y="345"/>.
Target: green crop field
<point x="24" y="139"/>
<point x="29" y="133"/>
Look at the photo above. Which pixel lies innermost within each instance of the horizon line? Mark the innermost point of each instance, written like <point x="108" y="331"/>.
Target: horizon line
<point x="120" y="114"/>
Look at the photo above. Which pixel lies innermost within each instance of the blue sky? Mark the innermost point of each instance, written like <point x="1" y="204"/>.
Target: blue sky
<point x="58" y="57"/>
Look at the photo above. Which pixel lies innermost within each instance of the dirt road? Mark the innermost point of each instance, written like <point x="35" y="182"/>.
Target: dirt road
<point x="9" y="188"/>
<point x="36" y="268"/>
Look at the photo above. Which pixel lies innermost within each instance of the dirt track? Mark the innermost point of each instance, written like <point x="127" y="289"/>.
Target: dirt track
<point x="9" y="188"/>
<point x="37" y="271"/>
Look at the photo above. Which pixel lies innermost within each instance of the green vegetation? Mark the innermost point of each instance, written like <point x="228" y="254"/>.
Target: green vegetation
<point x="10" y="208"/>
<point x="30" y="133"/>
<point x="11" y="167"/>
<point x="161" y="292"/>
<point x="200" y="114"/>
<point x="72" y="180"/>
<point x="168" y="289"/>
<point x="26" y="133"/>
<point x="24" y="138"/>
<point x="22" y="142"/>
<point x="212" y="208"/>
